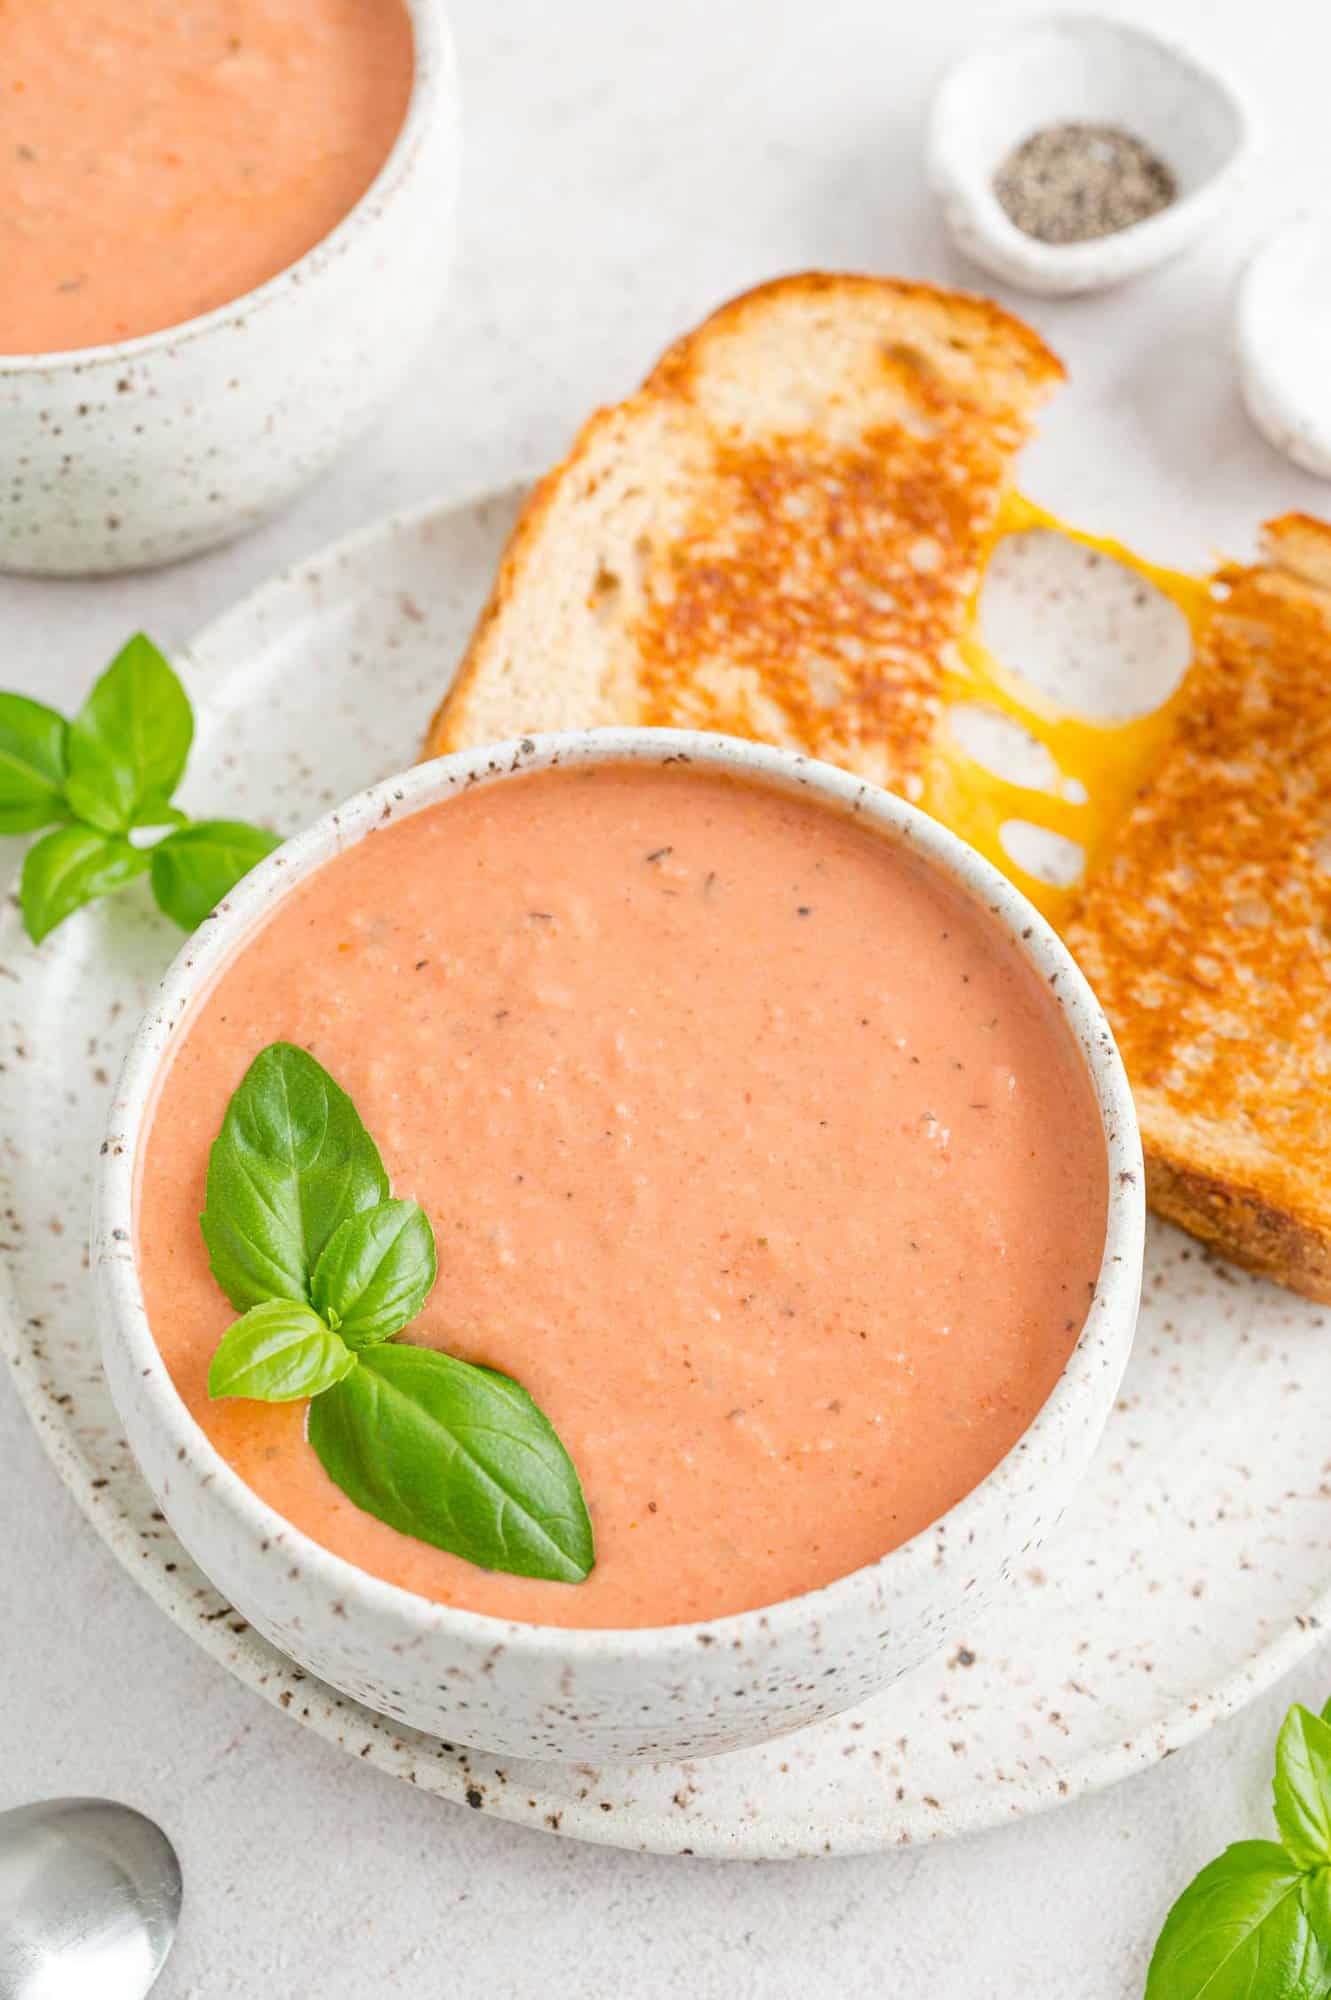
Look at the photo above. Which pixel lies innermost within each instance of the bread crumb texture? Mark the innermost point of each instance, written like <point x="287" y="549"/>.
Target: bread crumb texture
<point x="777" y="537"/>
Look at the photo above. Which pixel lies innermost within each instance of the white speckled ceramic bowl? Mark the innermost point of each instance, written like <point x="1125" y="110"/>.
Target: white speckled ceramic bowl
<point x="671" y="1691"/>
<point x="1284" y="305"/>
<point x="142" y="451"/>
<point x="1088" y="68"/>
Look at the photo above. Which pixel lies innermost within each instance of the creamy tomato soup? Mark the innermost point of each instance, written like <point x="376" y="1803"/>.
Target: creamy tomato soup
<point x="754" y="1150"/>
<point x="161" y="157"/>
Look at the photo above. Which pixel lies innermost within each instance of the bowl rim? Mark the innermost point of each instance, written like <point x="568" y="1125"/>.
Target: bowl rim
<point x="1097" y="258"/>
<point x="434" y="79"/>
<point x="119" y="1293"/>
<point x="1290" y="421"/>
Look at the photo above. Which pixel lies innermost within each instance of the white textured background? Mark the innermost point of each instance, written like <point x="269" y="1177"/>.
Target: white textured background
<point x="629" y="165"/>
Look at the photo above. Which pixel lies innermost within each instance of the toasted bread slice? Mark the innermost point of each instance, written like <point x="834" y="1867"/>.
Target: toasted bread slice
<point x="776" y="536"/>
<point x="1206" y="929"/>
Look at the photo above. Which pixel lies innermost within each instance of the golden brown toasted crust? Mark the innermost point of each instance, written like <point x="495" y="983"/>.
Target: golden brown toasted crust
<point x="1300" y="545"/>
<point x="835" y="448"/>
<point x="1241" y="1225"/>
<point x="994" y="338"/>
<point x="1206" y="930"/>
<point x="446" y="731"/>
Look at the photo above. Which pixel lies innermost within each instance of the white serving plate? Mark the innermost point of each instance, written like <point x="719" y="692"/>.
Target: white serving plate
<point x="1193" y="1568"/>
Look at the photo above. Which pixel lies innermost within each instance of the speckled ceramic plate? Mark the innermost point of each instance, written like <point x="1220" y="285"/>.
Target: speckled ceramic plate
<point x="1194" y="1567"/>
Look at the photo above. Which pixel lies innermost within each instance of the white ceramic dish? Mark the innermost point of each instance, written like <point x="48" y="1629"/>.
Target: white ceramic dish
<point x="670" y="1691"/>
<point x="1088" y="68"/>
<point x="1282" y="334"/>
<point x="1192" y="1568"/>
<point x="151" y="449"/>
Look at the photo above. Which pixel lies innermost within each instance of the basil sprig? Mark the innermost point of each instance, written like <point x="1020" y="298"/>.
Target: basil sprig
<point x="33" y="759"/>
<point x="456" y="1455"/>
<point x="104" y="778"/>
<point x="325" y="1268"/>
<point x="1256" y="1923"/>
<point x="291" y="1163"/>
<point x="278" y="1353"/>
<point x="193" y="868"/>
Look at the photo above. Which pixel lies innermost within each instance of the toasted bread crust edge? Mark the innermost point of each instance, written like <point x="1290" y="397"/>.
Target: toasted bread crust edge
<point x="1041" y="364"/>
<point x="438" y="737"/>
<point x="670" y="376"/>
<point x="1222" y="1211"/>
<point x="1242" y="1227"/>
<point x="1300" y="546"/>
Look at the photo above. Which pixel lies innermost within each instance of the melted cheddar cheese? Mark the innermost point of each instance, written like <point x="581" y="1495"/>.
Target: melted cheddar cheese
<point x="1101" y="764"/>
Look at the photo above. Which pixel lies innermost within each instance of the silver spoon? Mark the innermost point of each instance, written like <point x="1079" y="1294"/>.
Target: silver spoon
<point x="89" y="1900"/>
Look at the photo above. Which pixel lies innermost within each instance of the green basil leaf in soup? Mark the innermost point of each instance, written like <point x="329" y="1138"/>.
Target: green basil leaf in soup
<point x="32" y="764"/>
<point x="1303" y="1787"/>
<point x="376" y="1272"/>
<point x="278" y="1352"/>
<point x="1241" y="1929"/>
<point x="129" y="742"/>
<point x="290" y="1164"/>
<point x="194" y="868"/>
<point x="70" y="867"/>
<point x="458" y="1456"/>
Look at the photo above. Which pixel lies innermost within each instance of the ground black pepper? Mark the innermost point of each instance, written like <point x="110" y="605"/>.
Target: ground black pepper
<point x="1071" y="182"/>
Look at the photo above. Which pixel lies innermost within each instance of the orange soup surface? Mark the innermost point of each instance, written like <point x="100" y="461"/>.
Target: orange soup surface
<point x="161" y="157"/>
<point x="753" y="1149"/>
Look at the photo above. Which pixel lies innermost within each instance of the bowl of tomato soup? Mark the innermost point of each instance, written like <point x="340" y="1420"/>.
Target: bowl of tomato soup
<point x="773" y="1143"/>
<point x="225" y="233"/>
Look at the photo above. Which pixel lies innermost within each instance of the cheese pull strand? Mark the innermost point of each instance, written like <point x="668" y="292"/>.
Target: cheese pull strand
<point x="1100" y="764"/>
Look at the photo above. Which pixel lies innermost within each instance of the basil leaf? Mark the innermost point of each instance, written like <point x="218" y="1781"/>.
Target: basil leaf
<point x="1303" y="1787"/>
<point x="157" y="812"/>
<point x="276" y="1353"/>
<point x="291" y="1162"/>
<point x="1239" y="1930"/>
<point x="1317" y="1903"/>
<point x="376" y="1272"/>
<point x="129" y="741"/>
<point x="70" y="867"/>
<point x="457" y="1456"/>
<point x="32" y="764"/>
<point x="194" y="868"/>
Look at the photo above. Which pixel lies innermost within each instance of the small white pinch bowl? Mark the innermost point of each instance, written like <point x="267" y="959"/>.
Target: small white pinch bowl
<point x="668" y="1691"/>
<point x="1088" y="69"/>
<point x="146" y="450"/>
<point x="1282" y="338"/>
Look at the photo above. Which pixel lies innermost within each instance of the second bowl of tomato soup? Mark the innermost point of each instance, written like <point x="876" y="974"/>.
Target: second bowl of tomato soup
<point x="202" y="213"/>
<point x="671" y="1237"/>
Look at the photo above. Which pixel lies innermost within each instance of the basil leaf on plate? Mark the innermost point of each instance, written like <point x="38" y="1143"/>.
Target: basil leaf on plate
<point x="276" y="1353"/>
<point x="376" y="1272"/>
<point x="1303" y="1787"/>
<point x="70" y="867"/>
<point x="195" y="867"/>
<point x="1317" y="1903"/>
<point x="155" y="812"/>
<point x="457" y="1456"/>
<point x="129" y="742"/>
<point x="32" y="764"/>
<point x="291" y="1162"/>
<point x="1239" y="1931"/>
